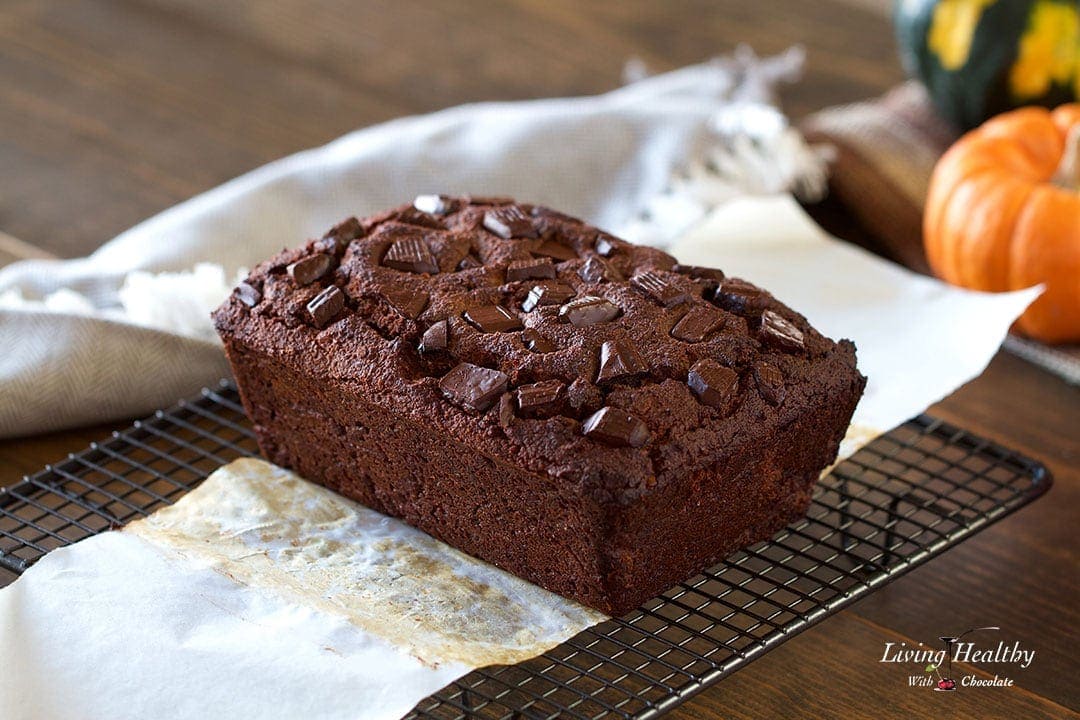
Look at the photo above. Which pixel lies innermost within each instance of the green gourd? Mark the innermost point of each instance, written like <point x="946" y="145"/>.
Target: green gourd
<point x="978" y="58"/>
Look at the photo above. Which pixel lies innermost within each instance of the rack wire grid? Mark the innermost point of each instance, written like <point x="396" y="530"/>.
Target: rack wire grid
<point x="906" y="497"/>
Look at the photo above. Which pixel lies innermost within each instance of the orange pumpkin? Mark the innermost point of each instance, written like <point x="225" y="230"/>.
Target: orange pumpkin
<point x="1003" y="213"/>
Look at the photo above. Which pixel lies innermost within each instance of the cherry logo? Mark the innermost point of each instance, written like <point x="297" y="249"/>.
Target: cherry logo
<point x="946" y="683"/>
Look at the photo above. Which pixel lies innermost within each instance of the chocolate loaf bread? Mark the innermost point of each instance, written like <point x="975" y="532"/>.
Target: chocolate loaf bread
<point x="577" y="410"/>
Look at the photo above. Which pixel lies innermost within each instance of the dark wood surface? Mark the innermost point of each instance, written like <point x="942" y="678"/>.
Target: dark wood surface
<point x="113" y="110"/>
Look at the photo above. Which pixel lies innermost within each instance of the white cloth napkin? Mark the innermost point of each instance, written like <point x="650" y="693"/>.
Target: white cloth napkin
<point x="601" y="158"/>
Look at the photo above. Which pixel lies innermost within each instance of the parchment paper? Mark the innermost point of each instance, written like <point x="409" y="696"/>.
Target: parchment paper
<point x="262" y="596"/>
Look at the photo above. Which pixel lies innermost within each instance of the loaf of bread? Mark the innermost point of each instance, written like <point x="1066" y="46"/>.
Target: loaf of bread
<point x="577" y="410"/>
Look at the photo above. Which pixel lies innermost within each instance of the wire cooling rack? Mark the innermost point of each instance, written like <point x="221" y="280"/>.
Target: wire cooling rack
<point x="903" y="499"/>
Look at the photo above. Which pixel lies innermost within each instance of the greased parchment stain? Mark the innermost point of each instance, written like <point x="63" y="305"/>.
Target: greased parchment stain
<point x="267" y="528"/>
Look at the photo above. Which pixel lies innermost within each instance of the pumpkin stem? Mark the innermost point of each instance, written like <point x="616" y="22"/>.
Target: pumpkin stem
<point x="1068" y="172"/>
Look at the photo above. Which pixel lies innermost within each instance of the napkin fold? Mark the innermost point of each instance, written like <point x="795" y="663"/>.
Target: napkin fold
<point x="602" y="158"/>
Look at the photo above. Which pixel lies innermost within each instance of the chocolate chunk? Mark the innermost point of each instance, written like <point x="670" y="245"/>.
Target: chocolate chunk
<point x="541" y="399"/>
<point x="596" y="270"/>
<point x="339" y="237"/>
<point x="619" y="361"/>
<point x="545" y="212"/>
<point x="657" y="287"/>
<point x="411" y="254"/>
<point x="472" y="387"/>
<point x="715" y="385"/>
<point x="469" y="262"/>
<point x="307" y="270"/>
<point x="492" y="318"/>
<point x="615" y="427"/>
<point x="506" y="410"/>
<point x="605" y="245"/>
<point x="530" y="269"/>
<point x="708" y="279"/>
<point x="329" y="245"/>
<point x="535" y="341"/>
<point x="434" y="204"/>
<point x="770" y="383"/>
<point x="414" y="216"/>
<point x="698" y="273"/>
<point x="588" y="310"/>
<point x="508" y="221"/>
<point x="584" y="396"/>
<point x="324" y="306"/>
<point x="409" y="303"/>
<point x="552" y="293"/>
<point x="346" y="231"/>
<point x="548" y="228"/>
<point x="696" y="325"/>
<point x="436" y="337"/>
<point x="248" y="294"/>
<point x="780" y="333"/>
<point x="739" y="297"/>
<point x="556" y="250"/>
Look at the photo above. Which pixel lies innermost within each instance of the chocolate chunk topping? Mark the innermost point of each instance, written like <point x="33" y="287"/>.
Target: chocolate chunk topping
<point x="696" y="325"/>
<point x="469" y="262"/>
<point x="248" y="294"/>
<point x="434" y="204"/>
<point x="411" y="254"/>
<point x="345" y="232"/>
<point x="339" y="237"/>
<point x="778" y="332"/>
<point x="329" y="245"/>
<point x="508" y="221"/>
<point x="615" y="427"/>
<point x="552" y="293"/>
<point x="409" y="303"/>
<point x="546" y="212"/>
<point x="548" y="227"/>
<point x="604" y="245"/>
<point x="472" y="387"/>
<point x="413" y="216"/>
<point x="556" y="250"/>
<point x="307" y="270"/>
<point x="619" y="361"/>
<point x="530" y="269"/>
<point x="708" y="279"/>
<point x="324" y="306"/>
<point x="436" y="337"/>
<point x="654" y="285"/>
<point x="535" y="341"/>
<point x="699" y="273"/>
<point x="542" y="398"/>
<point x="596" y="270"/>
<point x="739" y="297"/>
<point x="588" y="310"/>
<point x="492" y="318"/>
<point x="714" y="384"/>
<point x="506" y="410"/>
<point x="770" y="383"/>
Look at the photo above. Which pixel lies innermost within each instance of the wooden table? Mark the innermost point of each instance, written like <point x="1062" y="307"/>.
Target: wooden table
<point x="113" y="110"/>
